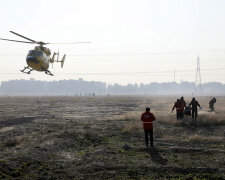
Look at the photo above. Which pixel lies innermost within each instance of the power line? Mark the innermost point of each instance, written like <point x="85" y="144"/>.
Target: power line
<point x="147" y="72"/>
<point x="134" y="54"/>
<point x="149" y="53"/>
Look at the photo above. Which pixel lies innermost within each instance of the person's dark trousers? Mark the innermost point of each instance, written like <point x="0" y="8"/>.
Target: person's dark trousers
<point x="179" y="115"/>
<point x="182" y="115"/>
<point x="194" y="114"/>
<point x="150" y="134"/>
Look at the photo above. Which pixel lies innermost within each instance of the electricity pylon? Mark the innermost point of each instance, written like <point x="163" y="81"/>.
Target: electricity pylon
<point x="198" y="80"/>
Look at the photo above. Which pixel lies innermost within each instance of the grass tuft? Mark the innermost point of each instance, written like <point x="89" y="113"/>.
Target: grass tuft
<point x="201" y="138"/>
<point x="204" y="119"/>
<point x="11" y="142"/>
<point x="133" y="127"/>
<point x="211" y="118"/>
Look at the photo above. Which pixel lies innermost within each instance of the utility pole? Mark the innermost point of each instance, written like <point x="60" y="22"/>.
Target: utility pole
<point x="198" y="80"/>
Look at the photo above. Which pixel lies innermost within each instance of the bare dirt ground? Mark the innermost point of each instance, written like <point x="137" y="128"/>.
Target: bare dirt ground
<point x="102" y="138"/>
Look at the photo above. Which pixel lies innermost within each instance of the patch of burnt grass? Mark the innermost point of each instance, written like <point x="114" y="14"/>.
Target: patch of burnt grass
<point x="88" y="137"/>
<point x="92" y="137"/>
<point x="11" y="142"/>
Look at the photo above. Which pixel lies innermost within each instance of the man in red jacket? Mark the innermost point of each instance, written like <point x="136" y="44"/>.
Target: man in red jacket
<point x="179" y="109"/>
<point x="183" y="105"/>
<point x="147" y="119"/>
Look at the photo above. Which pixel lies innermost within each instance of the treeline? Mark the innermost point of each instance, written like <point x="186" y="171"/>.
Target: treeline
<point x="90" y="88"/>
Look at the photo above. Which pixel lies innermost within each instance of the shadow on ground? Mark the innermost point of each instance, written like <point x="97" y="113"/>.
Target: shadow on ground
<point x="156" y="157"/>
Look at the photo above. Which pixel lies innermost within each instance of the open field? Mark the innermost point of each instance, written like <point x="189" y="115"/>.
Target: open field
<point x="102" y="138"/>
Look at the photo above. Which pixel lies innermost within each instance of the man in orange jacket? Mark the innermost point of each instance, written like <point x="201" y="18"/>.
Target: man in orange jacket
<point x="183" y="105"/>
<point x="147" y="119"/>
<point x="179" y="109"/>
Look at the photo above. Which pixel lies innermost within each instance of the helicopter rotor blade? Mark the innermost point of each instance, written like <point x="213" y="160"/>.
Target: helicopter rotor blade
<point x="71" y="43"/>
<point x="24" y="37"/>
<point x="41" y="43"/>
<point x="16" y="41"/>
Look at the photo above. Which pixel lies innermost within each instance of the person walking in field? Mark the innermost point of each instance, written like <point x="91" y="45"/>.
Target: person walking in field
<point x="211" y="104"/>
<point x="147" y="118"/>
<point x="194" y="104"/>
<point x="179" y="110"/>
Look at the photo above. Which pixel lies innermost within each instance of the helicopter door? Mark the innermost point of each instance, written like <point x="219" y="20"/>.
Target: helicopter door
<point x="46" y="60"/>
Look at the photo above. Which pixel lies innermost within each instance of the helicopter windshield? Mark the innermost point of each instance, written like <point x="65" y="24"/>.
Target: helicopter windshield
<point x="35" y="53"/>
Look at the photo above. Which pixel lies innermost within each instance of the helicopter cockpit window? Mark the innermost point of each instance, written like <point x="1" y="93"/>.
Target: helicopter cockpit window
<point x="35" y="53"/>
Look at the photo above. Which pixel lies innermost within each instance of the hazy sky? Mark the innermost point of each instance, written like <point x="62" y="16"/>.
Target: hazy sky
<point x="133" y="41"/>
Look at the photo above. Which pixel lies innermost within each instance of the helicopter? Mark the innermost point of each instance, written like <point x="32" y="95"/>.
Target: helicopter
<point x="39" y="58"/>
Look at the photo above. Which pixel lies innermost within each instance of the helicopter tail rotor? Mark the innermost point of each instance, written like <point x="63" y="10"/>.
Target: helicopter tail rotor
<point x="58" y="56"/>
<point x="62" y="61"/>
<point x="52" y="59"/>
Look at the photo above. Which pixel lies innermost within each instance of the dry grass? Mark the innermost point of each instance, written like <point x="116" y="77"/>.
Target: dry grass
<point x="134" y="125"/>
<point x="170" y="119"/>
<point x="135" y="115"/>
<point x="210" y="118"/>
<point x="5" y="129"/>
<point x="204" y="119"/>
<point x="201" y="138"/>
<point x="169" y="138"/>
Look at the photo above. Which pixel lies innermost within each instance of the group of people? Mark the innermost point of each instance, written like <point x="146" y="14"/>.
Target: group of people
<point x="181" y="108"/>
<point x="191" y="109"/>
<point x="180" y="104"/>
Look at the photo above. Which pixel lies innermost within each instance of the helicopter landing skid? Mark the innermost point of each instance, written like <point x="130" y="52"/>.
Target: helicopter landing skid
<point x="48" y="73"/>
<point x="29" y="70"/>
